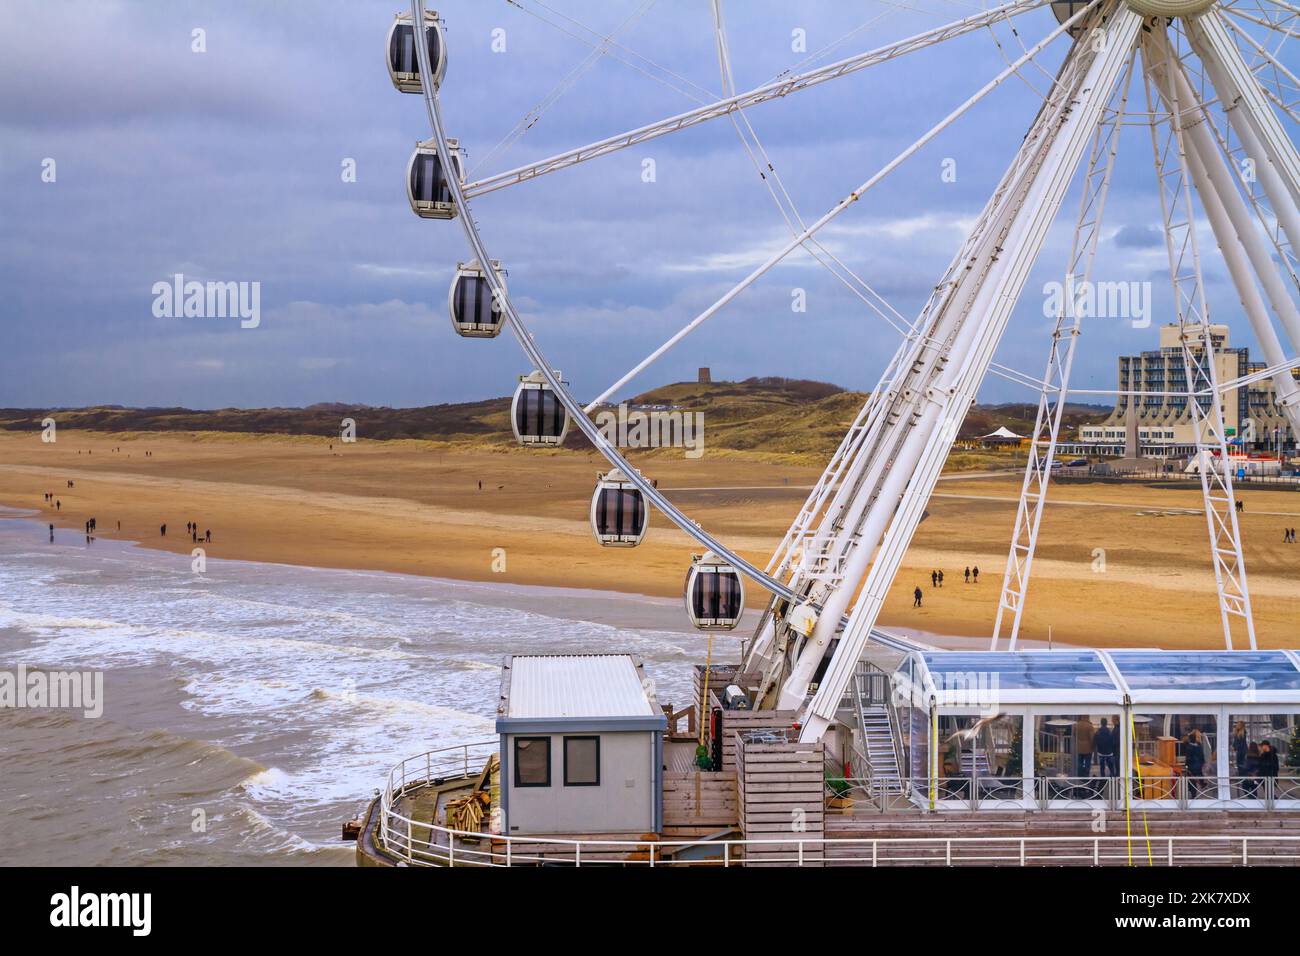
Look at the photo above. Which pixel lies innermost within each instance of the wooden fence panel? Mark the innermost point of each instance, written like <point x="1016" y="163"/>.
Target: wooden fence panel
<point x="699" y="798"/>
<point x="781" y="787"/>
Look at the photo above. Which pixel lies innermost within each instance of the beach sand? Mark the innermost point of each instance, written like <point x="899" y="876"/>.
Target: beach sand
<point x="1119" y="564"/>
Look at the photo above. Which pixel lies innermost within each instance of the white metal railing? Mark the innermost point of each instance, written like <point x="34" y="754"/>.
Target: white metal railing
<point x="401" y="835"/>
<point x="1136" y="850"/>
<point x="425" y="843"/>
<point x="986" y="791"/>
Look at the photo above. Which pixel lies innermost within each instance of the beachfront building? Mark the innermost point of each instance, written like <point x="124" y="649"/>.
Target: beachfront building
<point x="1251" y="416"/>
<point x="581" y="745"/>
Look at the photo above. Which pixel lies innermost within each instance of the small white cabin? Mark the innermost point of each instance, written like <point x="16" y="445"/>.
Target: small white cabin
<point x="581" y="745"/>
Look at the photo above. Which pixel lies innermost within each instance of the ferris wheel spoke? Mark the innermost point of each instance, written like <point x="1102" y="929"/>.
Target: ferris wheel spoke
<point x="1274" y="25"/>
<point x="604" y="43"/>
<point x="839" y="207"/>
<point x="753" y="97"/>
<point x="502" y="298"/>
<point x="1284" y="5"/>
<point x="774" y="183"/>
<point x="566" y="83"/>
<point x="1016" y="377"/>
<point x="1282" y="77"/>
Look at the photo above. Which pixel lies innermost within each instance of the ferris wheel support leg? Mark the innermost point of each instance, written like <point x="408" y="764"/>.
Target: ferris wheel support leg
<point x="1213" y="179"/>
<point x="846" y="540"/>
<point x="841" y="484"/>
<point x="1060" y="360"/>
<point x="1199" y="361"/>
<point x="947" y="402"/>
<point x="1243" y="278"/>
<point x="1242" y="101"/>
<point x="1210" y="40"/>
<point x="1219" y="179"/>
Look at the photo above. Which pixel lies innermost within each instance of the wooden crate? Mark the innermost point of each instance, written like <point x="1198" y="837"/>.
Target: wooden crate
<point x="720" y="675"/>
<point x="741" y="721"/>
<point x="700" y="798"/>
<point x="781" y="788"/>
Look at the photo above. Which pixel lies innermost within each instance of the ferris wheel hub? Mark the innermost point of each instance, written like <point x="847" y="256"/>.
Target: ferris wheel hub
<point x="1171" y="8"/>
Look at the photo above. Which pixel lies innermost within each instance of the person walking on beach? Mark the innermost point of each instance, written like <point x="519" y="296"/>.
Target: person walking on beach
<point x="208" y="536"/>
<point x="975" y="573"/>
<point x="916" y="597"/>
<point x="194" y="535"/>
<point x="941" y="577"/>
<point x="934" y="579"/>
<point x="58" y="505"/>
<point x="51" y="534"/>
<point x="968" y="575"/>
<point x="163" y="531"/>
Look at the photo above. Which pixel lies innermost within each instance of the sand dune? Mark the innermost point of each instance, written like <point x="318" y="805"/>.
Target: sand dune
<point x="416" y="507"/>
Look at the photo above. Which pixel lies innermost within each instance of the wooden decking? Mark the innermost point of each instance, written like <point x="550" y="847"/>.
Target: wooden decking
<point x="1008" y="828"/>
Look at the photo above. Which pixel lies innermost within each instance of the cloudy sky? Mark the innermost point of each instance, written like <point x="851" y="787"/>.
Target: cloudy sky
<point x="226" y="165"/>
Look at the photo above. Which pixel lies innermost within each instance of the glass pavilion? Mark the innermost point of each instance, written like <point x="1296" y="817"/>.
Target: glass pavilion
<point x="1069" y="728"/>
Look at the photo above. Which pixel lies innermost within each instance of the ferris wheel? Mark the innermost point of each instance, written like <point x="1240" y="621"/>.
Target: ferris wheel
<point x="1210" y="80"/>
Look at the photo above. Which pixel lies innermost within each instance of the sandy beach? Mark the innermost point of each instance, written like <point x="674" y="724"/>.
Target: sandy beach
<point x="1118" y="564"/>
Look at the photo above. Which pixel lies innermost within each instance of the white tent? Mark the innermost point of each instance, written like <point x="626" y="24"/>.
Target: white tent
<point x="1001" y="434"/>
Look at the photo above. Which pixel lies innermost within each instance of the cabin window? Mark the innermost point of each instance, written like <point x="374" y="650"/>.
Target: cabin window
<point x="582" y="761"/>
<point x="532" y="761"/>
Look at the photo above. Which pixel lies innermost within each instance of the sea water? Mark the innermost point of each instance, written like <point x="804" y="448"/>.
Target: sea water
<point x="251" y="708"/>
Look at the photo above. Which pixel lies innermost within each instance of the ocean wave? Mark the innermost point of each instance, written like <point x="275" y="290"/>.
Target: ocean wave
<point x="307" y="685"/>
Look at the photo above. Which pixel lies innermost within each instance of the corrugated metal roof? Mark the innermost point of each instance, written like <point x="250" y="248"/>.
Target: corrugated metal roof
<point x="579" y="685"/>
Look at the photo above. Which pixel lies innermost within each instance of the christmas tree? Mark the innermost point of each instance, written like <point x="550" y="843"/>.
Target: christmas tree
<point x="1015" y="761"/>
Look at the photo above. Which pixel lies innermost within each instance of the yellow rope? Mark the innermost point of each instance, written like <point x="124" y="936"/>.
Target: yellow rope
<point x="934" y="744"/>
<point x="704" y="698"/>
<point x="1146" y="830"/>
